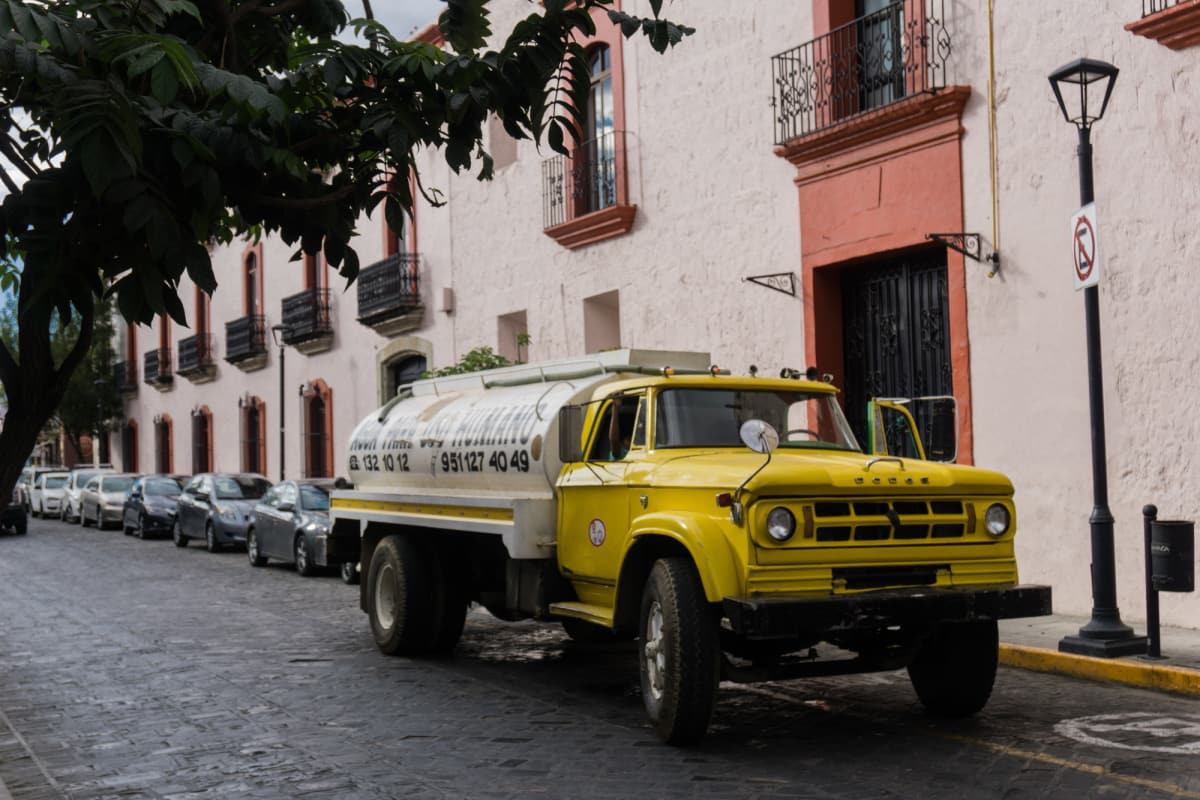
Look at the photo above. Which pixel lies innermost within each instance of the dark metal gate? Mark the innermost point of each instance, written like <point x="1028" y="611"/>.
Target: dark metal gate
<point x="896" y="332"/>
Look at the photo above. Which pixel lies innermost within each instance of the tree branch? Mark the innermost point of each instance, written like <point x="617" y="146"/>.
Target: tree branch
<point x="10" y="371"/>
<point x="367" y="12"/>
<point x="18" y="160"/>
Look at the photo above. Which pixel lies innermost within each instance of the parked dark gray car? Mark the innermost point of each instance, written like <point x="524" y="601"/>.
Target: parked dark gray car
<point x="291" y="525"/>
<point x="151" y="506"/>
<point x="217" y="507"/>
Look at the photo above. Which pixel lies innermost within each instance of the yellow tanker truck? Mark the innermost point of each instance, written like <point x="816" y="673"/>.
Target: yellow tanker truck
<point x="732" y="525"/>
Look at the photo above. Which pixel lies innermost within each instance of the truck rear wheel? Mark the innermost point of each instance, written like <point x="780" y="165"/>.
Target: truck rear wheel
<point x="680" y="652"/>
<point x="414" y="602"/>
<point x="955" y="669"/>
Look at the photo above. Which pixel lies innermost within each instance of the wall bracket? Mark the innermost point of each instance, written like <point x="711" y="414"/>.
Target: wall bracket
<point x="970" y="245"/>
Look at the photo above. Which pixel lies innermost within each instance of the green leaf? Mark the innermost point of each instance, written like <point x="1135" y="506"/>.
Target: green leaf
<point x="164" y="85"/>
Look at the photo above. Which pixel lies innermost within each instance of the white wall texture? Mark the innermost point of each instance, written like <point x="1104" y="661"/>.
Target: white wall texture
<point x="716" y="205"/>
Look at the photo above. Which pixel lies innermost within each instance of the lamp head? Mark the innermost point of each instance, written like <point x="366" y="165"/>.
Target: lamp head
<point x="1088" y="85"/>
<point x="277" y="333"/>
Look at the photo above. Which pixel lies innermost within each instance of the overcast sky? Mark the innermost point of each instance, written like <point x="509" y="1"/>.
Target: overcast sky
<point x="402" y="17"/>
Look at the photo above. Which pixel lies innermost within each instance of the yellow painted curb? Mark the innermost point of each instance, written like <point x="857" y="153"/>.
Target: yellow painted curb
<point x="1132" y="673"/>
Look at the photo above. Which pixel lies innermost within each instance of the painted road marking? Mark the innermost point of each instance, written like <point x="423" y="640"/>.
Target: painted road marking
<point x="1176" y="734"/>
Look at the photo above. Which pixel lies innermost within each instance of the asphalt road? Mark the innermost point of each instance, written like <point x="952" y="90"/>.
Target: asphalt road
<point x="133" y="669"/>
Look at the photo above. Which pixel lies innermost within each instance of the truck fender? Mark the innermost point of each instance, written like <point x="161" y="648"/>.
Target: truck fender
<point x="655" y="536"/>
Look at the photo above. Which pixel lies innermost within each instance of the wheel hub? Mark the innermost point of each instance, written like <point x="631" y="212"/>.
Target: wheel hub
<point x="385" y="597"/>
<point x="652" y="650"/>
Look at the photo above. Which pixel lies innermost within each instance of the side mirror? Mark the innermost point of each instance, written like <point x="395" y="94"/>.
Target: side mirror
<point x="570" y="434"/>
<point x="759" y="436"/>
<point x="202" y="496"/>
<point x="286" y="507"/>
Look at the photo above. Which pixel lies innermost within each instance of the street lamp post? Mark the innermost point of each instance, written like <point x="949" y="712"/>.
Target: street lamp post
<point x="1105" y="634"/>
<point x="279" y="334"/>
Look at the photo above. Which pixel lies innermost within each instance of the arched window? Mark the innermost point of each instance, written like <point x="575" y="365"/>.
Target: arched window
<point x="164" y="460"/>
<point x="253" y="434"/>
<point x="597" y="186"/>
<point x="129" y="446"/>
<point x="202" y="440"/>
<point x="252" y="281"/>
<point x="317" y="413"/>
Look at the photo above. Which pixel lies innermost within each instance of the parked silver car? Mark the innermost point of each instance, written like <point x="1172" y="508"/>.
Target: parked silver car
<point x="46" y="496"/>
<point x="76" y="480"/>
<point x="291" y="524"/>
<point x="217" y="507"/>
<point x="103" y="499"/>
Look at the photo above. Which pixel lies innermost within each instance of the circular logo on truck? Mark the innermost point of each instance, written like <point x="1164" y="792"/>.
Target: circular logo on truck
<point x="596" y="532"/>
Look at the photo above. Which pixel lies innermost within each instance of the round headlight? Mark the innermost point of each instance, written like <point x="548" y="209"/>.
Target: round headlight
<point x="997" y="519"/>
<point x="781" y="524"/>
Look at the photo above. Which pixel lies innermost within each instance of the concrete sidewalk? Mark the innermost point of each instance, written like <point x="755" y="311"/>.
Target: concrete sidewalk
<point x="1033" y="644"/>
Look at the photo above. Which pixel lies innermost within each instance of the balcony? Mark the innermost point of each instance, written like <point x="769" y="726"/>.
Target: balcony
<point x="1172" y="23"/>
<point x="307" y="322"/>
<point x="157" y="369"/>
<point x="585" y="197"/>
<point x="125" y="376"/>
<point x="246" y="343"/>
<point x="861" y="68"/>
<point x="196" y="358"/>
<point x="389" y="295"/>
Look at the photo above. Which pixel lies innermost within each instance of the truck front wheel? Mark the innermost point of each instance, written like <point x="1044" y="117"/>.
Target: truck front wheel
<point x="955" y="668"/>
<point x="680" y="652"/>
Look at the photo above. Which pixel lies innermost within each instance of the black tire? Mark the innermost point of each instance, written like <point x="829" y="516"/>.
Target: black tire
<point x="140" y="531"/>
<point x="21" y="527"/>
<point x="679" y="652"/>
<point x="415" y="604"/>
<point x="400" y="597"/>
<point x="255" y="557"/>
<point x="83" y="520"/>
<point x="587" y="632"/>
<point x="349" y="572"/>
<point x="210" y="538"/>
<point x="302" y="558"/>
<point x="955" y="669"/>
<point x="177" y="535"/>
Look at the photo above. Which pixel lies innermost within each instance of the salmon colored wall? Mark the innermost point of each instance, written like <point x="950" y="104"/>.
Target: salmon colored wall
<point x="881" y="196"/>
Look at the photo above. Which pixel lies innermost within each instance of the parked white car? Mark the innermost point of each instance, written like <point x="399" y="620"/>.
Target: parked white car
<point x="46" y="497"/>
<point x="69" y="512"/>
<point x="103" y="498"/>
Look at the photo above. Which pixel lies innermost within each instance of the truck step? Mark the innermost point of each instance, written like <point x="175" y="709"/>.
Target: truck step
<point x="598" y="615"/>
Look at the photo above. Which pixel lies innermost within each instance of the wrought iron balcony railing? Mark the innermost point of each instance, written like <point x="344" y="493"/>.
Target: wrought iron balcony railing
<point x="388" y="289"/>
<point x="245" y="338"/>
<point x="306" y="316"/>
<point x="195" y="354"/>
<point x="1154" y="6"/>
<point x="157" y="369"/>
<point x="125" y="376"/>
<point x="585" y="182"/>
<point x="863" y="66"/>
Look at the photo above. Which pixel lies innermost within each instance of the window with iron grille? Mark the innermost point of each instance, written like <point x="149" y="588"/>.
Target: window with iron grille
<point x="129" y="446"/>
<point x="317" y="412"/>
<point x="201" y="441"/>
<point x="162" y="444"/>
<point x="253" y="435"/>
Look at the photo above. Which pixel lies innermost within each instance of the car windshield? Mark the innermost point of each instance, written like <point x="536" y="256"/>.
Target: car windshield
<point x="161" y="487"/>
<point x="714" y="418"/>
<point x="314" y="498"/>
<point x="82" y="478"/>
<point x="54" y="481"/>
<point x="241" y="488"/>
<point x="116" y="484"/>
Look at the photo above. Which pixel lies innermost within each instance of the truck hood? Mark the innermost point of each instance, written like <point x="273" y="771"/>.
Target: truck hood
<point x="825" y="472"/>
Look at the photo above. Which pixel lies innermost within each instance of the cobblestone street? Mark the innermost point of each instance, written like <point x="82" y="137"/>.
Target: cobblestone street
<point x="134" y="669"/>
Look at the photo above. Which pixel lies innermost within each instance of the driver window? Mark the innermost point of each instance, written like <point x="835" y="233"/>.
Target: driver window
<point x="288" y="495"/>
<point x="613" y="440"/>
<point x="272" y="497"/>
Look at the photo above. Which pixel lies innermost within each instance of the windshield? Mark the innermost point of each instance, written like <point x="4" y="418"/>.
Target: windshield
<point x="82" y="478"/>
<point x="714" y="418"/>
<point x="162" y="487"/>
<point x="241" y="488"/>
<point x="55" y="481"/>
<point x="314" y="498"/>
<point x="116" y="484"/>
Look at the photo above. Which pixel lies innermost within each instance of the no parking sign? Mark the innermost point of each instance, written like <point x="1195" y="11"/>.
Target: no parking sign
<point x="1085" y="248"/>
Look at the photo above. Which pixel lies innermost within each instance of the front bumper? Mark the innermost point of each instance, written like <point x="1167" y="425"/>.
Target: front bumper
<point x="108" y="515"/>
<point x="783" y="617"/>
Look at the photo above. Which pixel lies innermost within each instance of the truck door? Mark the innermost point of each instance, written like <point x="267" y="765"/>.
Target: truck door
<point x="920" y="427"/>
<point x="595" y="496"/>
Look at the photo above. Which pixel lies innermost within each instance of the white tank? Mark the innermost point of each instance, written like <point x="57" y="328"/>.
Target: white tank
<point x="484" y="432"/>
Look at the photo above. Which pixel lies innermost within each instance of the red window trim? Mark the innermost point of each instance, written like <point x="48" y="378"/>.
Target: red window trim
<point x="257" y="251"/>
<point x="165" y="420"/>
<point x="318" y="388"/>
<point x="390" y="239"/>
<point x="129" y="455"/>
<point x="259" y="405"/>
<point x="206" y="412"/>
<point x="310" y="270"/>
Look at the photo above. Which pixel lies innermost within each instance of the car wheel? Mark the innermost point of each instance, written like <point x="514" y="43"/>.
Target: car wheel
<point x="21" y="526"/>
<point x="955" y="669"/>
<point x="33" y="512"/>
<point x="257" y="559"/>
<point x="141" y="526"/>
<point x="83" y="520"/>
<point x="177" y="535"/>
<point x="210" y="538"/>
<point x="349" y="572"/>
<point x="304" y="562"/>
